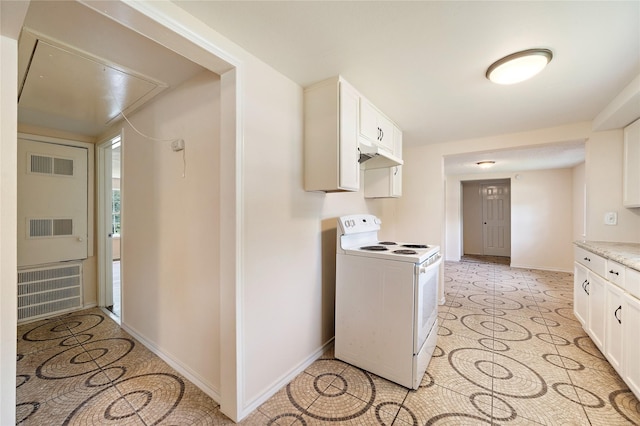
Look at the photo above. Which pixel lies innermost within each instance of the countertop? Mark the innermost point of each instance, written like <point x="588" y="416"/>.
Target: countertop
<point x="627" y="254"/>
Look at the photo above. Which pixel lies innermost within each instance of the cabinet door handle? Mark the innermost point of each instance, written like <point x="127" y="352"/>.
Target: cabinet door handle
<point x="587" y="259"/>
<point x="381" y="135"/>
<point x="613" y="272"/>
<point x="586" y="288"/>
<point x="615" y="314"/>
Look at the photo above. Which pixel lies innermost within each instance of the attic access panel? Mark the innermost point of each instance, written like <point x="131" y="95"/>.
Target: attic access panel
<point x="69" y="90"/>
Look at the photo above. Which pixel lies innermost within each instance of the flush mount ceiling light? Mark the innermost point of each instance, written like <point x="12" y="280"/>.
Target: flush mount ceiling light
<point x="519" y="66"/>
<point x="485" y="164"/>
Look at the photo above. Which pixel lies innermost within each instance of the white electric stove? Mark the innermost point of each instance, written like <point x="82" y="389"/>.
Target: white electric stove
<point x="386" y="301"/>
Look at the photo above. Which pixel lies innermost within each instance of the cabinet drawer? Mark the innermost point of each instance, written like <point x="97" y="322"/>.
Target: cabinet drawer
<point x="592" y="261"/>
<point x="632" y="282"/>
<point x="615" y="273"/>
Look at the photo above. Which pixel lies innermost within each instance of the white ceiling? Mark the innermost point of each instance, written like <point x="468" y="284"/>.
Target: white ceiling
<point x="556" y="156"/>
<point x="421" y="62"/>
<point x="78" y="70"/>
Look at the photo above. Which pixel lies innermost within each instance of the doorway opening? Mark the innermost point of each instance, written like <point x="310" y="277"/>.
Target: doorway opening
<point x="486" y="219"/>
<point x="110" y="224"/>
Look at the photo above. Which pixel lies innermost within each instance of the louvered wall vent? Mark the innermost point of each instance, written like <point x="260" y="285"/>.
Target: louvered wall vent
<point x="44" y="291"/>
<point x="41" y="228"/>
<point x="50" y="165"/>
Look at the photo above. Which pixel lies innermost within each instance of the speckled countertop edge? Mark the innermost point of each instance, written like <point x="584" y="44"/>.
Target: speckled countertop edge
<point x="627" y="254"/>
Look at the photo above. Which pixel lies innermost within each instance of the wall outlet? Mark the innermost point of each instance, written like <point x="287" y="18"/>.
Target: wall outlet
<point x="611" y="218"/>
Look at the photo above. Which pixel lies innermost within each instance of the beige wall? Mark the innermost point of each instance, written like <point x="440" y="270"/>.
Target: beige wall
<point x="170" y="228"/>
<point x="603" y="177"/>
<point x="579" y="202"/>
<point x="542" y="220"/>
<point x="289" y="239"/>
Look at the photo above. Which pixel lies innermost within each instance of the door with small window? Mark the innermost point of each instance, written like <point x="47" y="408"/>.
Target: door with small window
<point x="52" y="203"/>
<point x="496" y="215"/>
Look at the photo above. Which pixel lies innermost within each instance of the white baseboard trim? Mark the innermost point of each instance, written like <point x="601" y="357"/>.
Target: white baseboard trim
<point x="283" y="381"/>
<point x="176" y="365"/>
<point x="541" y="268"/>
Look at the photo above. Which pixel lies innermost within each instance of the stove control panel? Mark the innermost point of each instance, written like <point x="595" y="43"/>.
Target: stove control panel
<point x="358" y="223"/>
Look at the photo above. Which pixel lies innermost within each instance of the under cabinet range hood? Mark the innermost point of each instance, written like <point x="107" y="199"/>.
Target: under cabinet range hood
<point x="374" y="157"/>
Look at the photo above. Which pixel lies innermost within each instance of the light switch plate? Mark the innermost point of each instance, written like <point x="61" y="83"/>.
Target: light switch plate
<point x="611" y="218"/>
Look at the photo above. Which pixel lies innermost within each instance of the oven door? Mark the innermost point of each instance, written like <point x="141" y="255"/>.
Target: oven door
<point x="426" y="300"/>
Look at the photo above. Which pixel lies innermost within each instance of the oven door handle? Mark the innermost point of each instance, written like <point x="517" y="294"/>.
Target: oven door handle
<point x="433" y="262"/>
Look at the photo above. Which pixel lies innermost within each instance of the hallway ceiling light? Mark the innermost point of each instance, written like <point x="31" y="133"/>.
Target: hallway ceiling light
<point x="519" y="66"/>
<point x="485" y="164"/>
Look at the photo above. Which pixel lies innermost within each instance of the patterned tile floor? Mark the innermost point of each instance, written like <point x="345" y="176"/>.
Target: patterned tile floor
<point x="509" y="352"/>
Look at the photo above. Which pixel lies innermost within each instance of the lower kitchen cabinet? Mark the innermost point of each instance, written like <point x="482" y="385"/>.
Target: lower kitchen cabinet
<point x="615" y="310"/>
<point x="581" y="293"/>
<point x="596" y="320"/>
<point x="609" y="311"/>
<point x="631" y="344"/>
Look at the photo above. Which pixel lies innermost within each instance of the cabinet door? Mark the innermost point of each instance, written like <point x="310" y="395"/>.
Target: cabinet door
<point x="631" y="171"/>
<point x="386" y="133"/>
<point x="597" y="301"/>
<point x="368" y="120"/>
<point x="614" y="316"/>
<point x="397" y="142"/>
<point x="631" y="343"/>
<point x="383" y="183"/>
<point x="349" y="168"/>
<point x="396" y="181"/>
<point x="632" y="282"/>
<point x="580" y="294"/>
<point x="375" y="126"/>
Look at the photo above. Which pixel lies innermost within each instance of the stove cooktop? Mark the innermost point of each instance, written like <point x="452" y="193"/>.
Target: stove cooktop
<point x="407" y="252"/>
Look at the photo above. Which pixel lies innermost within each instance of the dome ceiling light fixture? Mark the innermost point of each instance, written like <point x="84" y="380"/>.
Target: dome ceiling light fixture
<point x="519" y="66"/>
<point x="486" y="164"/>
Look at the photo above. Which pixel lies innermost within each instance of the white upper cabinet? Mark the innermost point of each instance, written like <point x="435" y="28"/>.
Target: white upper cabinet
<point x="344" y="133"/>
<point x="397" y="141"/>
<point x="331" y="155"/>
<point x="631" y="166"/>
<point x="375" y="126"/>
<point x="383" y="183"/>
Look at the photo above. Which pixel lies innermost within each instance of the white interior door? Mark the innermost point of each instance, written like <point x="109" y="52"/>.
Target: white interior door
<point x="108" y="164"/>
<point x="496" y="218"/>
<point x="52" y="203"/>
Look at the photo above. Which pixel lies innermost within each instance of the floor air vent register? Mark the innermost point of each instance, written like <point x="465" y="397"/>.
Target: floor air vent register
<point x="47" y="290"/>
